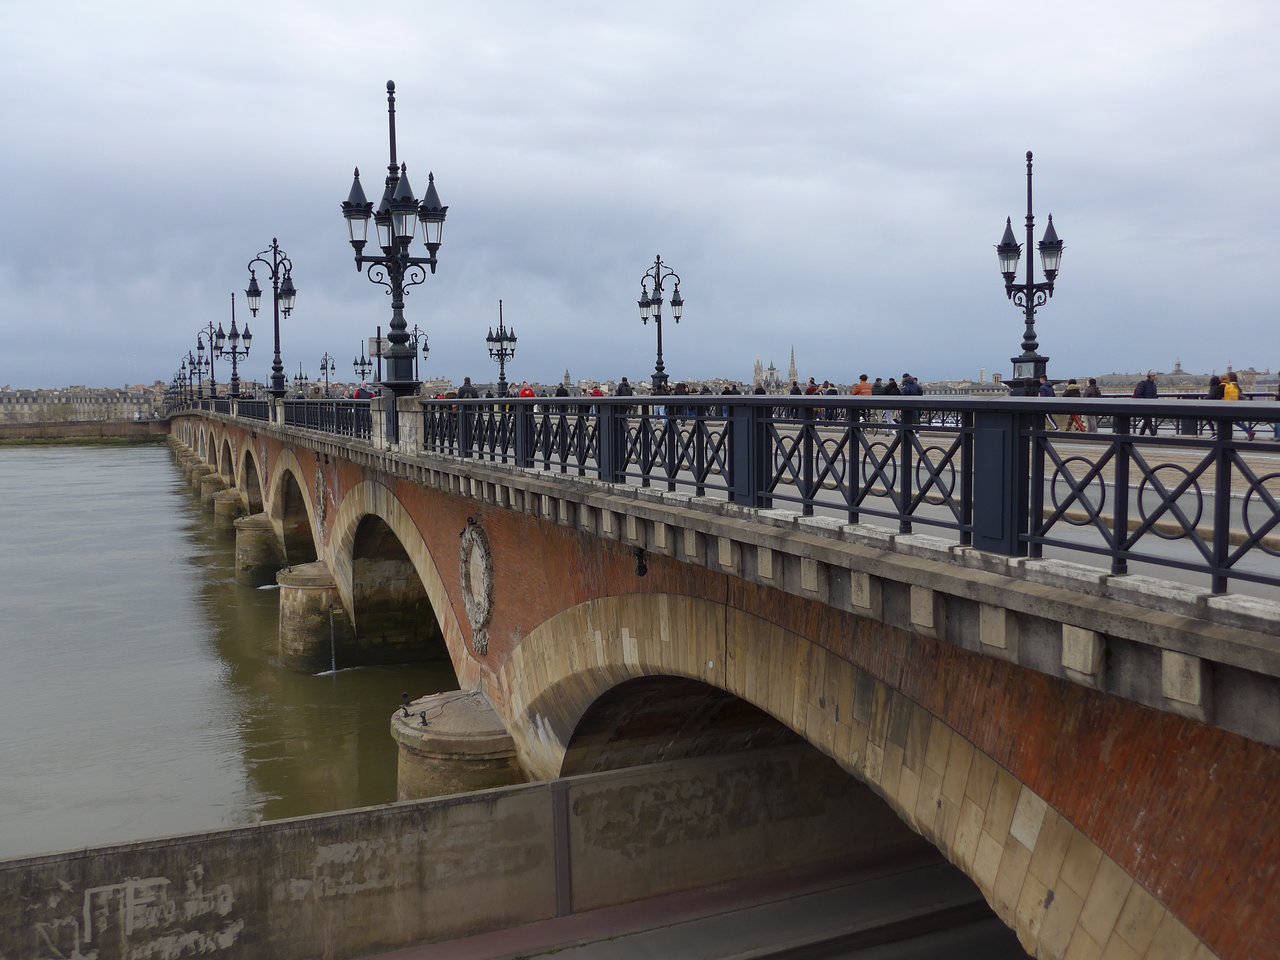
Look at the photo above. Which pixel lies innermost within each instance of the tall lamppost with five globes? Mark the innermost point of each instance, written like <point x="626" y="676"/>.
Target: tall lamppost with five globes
<point x="236" y="347"/>
<point x="650" y="302"/>
<point x="280" y="269"/>
<point x="502" y="347"/>
<point x="396" y="220"/>
<point x="1029" y="366"/>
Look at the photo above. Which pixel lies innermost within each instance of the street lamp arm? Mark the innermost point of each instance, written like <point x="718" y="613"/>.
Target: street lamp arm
<point x="1039" y="294"/>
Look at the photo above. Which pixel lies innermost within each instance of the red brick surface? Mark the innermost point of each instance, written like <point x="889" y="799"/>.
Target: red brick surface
<point x="1188" y="810"/>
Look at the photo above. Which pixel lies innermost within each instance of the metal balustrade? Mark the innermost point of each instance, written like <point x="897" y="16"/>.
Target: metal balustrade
<point x="346" y="418"/>
<point x="986" y="472"/>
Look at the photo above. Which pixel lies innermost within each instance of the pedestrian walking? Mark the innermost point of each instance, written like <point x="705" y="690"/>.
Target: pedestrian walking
<point x="1046" y="390"/>
<point x="1146" y="390"/>
<point x="1074" y="422"/>
<point x="1091" y="391"/>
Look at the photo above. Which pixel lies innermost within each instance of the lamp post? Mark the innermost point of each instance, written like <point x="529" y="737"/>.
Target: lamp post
<point x="184" y="386"/>
<point x="651" y="306"/>
<point x="280" y="269"/>
<point x="327" y="366"/>
<point x="195" y="369"/>
<point x="502" y="347"/>
<point x="229" y="346"/>
<point x="207" y="362"/>
<point x="301" y="380"/>
<point x="394" y="268"/>
<point x="362" y="365"/>
<point x="1029" y="366"/>
<point x="419" y="336"/>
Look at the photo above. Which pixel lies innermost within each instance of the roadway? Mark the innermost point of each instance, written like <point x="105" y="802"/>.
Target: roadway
<point x="914" y="906"/>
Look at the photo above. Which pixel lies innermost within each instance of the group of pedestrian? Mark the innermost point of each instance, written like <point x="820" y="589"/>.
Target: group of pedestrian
<point x="1226" y="387"/>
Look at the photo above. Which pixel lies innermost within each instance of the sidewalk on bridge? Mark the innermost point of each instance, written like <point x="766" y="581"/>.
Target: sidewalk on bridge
<point x="743" y="919"/>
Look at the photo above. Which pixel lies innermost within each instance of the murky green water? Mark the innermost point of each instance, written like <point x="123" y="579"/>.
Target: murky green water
<point x="139" y="695"/>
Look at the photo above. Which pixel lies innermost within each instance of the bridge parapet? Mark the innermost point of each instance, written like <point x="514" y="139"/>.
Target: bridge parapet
<point x="1208" y="656"/>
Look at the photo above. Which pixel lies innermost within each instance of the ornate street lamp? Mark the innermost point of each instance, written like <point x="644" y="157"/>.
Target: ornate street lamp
<point x="362" y="365"/>
<point x="206" y="362"/>
<point x="1029" y="366"/>
<point x="327" y="366"/>
<point x="230" y="346"/>
<point x="502" y="347"/>
<point x="651" y="307"/>
<point x="184" y="382"/>
<point x="418" y="336"/>
<point x="280" y="269"/>
<point x="394" y="268"/>
<point x="195" y="368"/>
<point x="301" y="380"/>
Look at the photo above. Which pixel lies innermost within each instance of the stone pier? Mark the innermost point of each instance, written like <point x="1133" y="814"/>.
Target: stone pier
<point x="210" y="484"/>
<point x="452" y="742"/>
<point x="226" y="508"/>
<point x="258" y="554"/>
<point x="315" y="631"/>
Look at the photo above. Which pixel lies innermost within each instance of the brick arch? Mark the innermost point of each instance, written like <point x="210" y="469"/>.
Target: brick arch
<point x="286" y="462"/>
<point x="249" y="459"/>
<point x="368" y="498"/>
<point x="227" y="457"/>
<point x="1049" y="881"/>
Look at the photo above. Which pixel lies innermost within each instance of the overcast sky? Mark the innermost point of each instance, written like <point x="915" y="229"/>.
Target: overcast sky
<point x="832" y="176"/>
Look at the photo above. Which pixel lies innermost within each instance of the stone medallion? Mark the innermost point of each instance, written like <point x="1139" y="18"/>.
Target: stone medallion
<point x="321" y="498"/>
<point x="476" y="574"/>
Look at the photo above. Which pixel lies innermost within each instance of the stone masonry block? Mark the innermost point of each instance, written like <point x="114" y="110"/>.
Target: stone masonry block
<point x="609" y="524"/>
<point x="1184" y="681"/>
<point x="664" y="539"/>
<point x="764" y="563"/>
<point x="923" y="610"/>
<point x="1082" y="654"/>
<point x="813" y="577"/>
<point x="998" y="631"/>
<point x="693" y="546"/>
<point x="635" y="530"/>
<point x="865" y="595"/>
<point x="727" y="554"/>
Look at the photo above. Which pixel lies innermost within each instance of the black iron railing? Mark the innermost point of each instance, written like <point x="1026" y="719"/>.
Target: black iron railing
<point x="347" y="418"/>
<point x="255" y="409"/>
<point x="993" y="473"/>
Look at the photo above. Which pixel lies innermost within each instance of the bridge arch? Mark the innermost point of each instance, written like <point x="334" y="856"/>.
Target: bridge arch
<point x="369" y="499"/>
<point x="1049" y="881"/>
<point x="226" y="459"/>
<point x="291" y="511"/>
<point x="250" y="479"/>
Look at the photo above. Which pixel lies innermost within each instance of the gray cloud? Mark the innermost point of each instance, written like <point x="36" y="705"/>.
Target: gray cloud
<point x="832" y="176"/>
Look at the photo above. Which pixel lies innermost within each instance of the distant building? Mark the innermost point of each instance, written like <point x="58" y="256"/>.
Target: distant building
<point x="66" y="404"/>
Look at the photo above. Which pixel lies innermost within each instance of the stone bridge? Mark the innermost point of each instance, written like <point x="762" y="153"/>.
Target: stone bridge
<point x="1097" y="752"/>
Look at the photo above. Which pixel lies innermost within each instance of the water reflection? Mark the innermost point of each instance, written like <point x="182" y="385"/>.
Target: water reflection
<point x="140" y="694"/>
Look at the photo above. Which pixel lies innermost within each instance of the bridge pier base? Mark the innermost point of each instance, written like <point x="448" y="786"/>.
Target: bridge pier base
<point x="314" y="627"/>
<point x="462" y="746"/>
<point x="226" y="508"/>
<point x="196" y="472"/>
<point x="258" y="553"/>
<point x="210" y="484"/>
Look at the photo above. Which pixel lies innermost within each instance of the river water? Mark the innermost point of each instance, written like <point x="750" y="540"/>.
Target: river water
<point x="139" y="695"/>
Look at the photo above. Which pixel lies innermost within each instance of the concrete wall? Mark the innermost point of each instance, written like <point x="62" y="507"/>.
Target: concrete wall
<point x="84" y="429"/>
<point x="352" y="883"/>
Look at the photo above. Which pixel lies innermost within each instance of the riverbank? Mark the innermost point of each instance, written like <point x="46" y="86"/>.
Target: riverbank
<point x="105" y="432"/>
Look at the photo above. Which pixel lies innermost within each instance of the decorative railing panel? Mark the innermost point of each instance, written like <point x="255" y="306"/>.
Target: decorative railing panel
<point x="1200" y="496"/>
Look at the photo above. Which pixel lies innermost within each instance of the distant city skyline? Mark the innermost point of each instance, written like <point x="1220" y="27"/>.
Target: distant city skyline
<point x="831" y="175"/>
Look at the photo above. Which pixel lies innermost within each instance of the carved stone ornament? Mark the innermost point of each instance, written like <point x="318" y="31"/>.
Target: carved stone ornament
<point x="321" y="498"/>
<point x="476" y="574"/>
